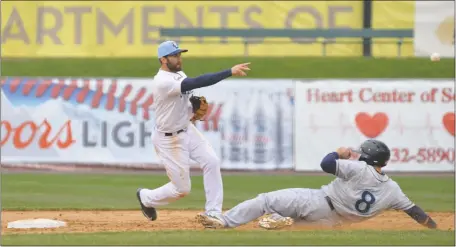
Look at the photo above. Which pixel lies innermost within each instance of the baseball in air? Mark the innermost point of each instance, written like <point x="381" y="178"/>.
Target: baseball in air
<point x="435" y="57"/>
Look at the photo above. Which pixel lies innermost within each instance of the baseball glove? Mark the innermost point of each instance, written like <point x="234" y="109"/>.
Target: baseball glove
<point x="200" y="107"/>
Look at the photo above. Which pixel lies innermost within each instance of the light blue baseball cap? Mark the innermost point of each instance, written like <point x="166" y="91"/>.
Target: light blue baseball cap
<point x="168" y="48"/>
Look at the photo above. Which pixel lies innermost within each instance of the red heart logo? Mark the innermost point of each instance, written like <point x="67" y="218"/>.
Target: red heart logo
<point x="371" y="126"/>
<point x="448" y="122"/>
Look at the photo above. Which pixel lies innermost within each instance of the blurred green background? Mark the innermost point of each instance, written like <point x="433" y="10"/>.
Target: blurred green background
<point x="262" y="67"/>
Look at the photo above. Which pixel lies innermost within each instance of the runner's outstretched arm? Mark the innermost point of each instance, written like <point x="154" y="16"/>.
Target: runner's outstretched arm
<point x="421" y="217"/>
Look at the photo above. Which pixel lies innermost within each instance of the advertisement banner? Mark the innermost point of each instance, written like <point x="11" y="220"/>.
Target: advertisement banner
<point x="131" y="28"/>
<point x="250" y="123"/>
<point x="76" y="121"/>
<point x="109" y="121"/>
<point x="434" y="28"/>
<point x="415" y="118"/>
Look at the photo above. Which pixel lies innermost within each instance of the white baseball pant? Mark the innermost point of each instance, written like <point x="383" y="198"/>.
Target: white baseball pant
<point x="175" y="153"/>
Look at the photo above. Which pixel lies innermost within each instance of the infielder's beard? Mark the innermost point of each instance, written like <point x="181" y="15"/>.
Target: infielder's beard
<point x="172" y="68"/>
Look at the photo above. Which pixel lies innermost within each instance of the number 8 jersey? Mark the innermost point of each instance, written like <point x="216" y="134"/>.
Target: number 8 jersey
<point x="360" y="192"/>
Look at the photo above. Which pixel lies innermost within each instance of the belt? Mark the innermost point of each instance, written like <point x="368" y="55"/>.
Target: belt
<point x="171" y="134"/>
<point x="329" y="202"/>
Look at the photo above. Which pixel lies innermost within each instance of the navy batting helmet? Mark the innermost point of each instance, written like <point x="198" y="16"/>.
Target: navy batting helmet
<point x="374" y="153"/>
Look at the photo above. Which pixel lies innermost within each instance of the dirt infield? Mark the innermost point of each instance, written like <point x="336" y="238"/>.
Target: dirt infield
<point x="119" y="221"/>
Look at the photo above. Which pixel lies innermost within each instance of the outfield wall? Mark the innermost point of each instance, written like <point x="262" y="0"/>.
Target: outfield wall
<point x="254" y="124"/>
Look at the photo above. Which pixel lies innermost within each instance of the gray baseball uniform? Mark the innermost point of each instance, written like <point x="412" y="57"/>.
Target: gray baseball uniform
<point x="358" y="193"/>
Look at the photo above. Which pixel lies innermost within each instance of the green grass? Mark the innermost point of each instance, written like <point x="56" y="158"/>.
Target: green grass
<point x="233" y="237"/>
<point x="289" y="67"/>
<point x="104" y="191"/>
<point x="90" y="191"/>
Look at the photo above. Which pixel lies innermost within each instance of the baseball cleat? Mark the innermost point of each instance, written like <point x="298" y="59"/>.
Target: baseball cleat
<point x="270" y="223"/>
<point x="209" y="221"/>
<point x="149" y="213"/>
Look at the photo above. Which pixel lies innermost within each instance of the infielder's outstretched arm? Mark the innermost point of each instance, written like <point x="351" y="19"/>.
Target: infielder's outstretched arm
<point x="421" y="217"/>
<point x="205" y="80"/>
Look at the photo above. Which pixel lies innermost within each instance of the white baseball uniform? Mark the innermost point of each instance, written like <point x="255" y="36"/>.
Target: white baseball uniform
<point x="358" y="193"/>
<point x="176" y="142"/>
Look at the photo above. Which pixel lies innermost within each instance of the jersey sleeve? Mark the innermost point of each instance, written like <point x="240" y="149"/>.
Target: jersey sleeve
<point x="171" y="86"/>
<point x="347" y="169"/>
<point x="400" y="200"/>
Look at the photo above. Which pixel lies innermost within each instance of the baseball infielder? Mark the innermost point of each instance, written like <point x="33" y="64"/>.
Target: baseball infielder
<point x="176" y="140"/>
<point x="360" y="191"/>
